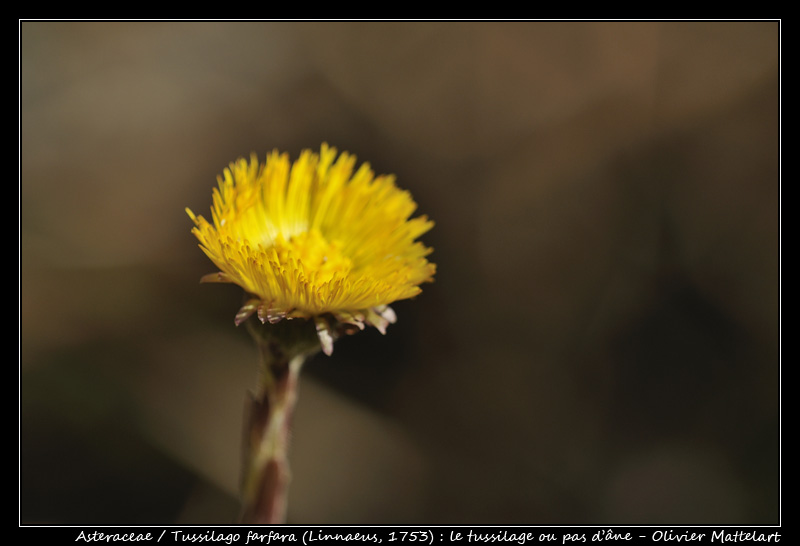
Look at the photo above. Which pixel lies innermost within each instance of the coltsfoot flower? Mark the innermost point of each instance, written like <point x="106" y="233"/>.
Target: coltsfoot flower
<point x="314" y="240"/>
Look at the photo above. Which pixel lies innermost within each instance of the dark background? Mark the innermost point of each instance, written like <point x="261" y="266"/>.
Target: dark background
<point x="601" y="344"/>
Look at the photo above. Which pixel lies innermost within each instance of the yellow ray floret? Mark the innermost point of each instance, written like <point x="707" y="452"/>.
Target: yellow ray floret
<point x="314" y="238"/>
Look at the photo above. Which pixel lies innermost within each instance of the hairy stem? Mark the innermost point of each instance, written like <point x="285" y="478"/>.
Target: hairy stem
<point x="268" y="421"/>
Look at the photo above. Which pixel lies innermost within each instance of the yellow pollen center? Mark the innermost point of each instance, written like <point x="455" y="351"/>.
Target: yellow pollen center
<point x="320" y="259"/>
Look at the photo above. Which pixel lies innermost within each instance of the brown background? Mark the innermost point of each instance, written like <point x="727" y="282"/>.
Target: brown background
<point x="601" y="344"/>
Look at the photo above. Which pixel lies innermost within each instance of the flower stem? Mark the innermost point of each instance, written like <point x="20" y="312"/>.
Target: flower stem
<point x="268" y="421"/>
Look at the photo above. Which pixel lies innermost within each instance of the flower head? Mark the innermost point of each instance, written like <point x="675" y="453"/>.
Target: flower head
<point x="315" y="240"/>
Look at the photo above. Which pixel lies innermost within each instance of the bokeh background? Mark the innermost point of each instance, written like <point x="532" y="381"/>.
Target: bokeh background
<point x="601" y="344"/>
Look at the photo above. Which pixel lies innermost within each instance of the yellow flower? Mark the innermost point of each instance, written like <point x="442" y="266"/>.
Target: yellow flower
<point x="313" y="240"/>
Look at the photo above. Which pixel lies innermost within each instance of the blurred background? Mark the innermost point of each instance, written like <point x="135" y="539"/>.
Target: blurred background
<point x="601" y="344"/>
